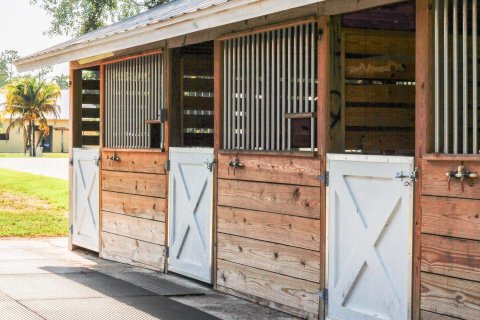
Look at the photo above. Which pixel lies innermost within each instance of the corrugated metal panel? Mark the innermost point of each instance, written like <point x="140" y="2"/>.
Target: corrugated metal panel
<point x="162" y="13"/>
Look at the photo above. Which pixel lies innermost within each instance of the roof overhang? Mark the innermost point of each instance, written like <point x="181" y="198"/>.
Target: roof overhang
<point x="227" y="12"/>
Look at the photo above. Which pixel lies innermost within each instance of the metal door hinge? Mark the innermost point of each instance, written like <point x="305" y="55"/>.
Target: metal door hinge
<point x="323" y="295"/>
<point x="167" y="252"/>
<point x="324" y="178"/>
<point x="71" y="228"/>
<point x="167" y="165"/>
<point x="70" y="161"/>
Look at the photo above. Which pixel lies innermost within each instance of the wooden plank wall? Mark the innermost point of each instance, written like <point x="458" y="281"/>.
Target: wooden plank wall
<point x="450" y="242"/>
<point x="133" y="207"/>
<point x="379" y="91"/>
<point x="268" y="240"/>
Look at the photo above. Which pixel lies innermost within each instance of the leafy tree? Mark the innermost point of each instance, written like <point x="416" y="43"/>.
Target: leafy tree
<point x="62" y="81"/>
<point x="76" y="17"/>
<point x="6" y="66"/>
<point x="28" y="103"/>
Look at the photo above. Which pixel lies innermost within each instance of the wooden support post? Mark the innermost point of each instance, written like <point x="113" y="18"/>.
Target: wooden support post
<point x="323" y="125"/>
<point x="218" y="142"/>
<point x="424" y="130"/>
<point x="75" y="138"/>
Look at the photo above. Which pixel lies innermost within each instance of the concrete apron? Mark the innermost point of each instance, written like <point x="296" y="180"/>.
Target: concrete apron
<point x="41" y="279"/>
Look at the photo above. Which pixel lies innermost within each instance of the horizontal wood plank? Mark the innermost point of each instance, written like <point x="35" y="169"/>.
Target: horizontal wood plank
<point x="281" y="259"/>
<point x="91" y="85"/>
<point x="270" y="197"/>
<point x="450" y="296"/>
<point x="435" y="182"/>
<point x="383" y="67"/>
<point x="451" y="217"/>
<point x="146" y="162"/>
<point x="91" y="125"/>
<point x="426" y="315"/>
<point x="379" y="42"/>
<point x="287" y="291"/>
<point x="90" y="98"/>
<point x="380" y="117"/>
<point x="133" y="227"/>
<point x="288" y="230"/>
<point x="198" y="103"/>
<point x="380" y="93"/>
<point x="143" y="184"/>
<point x="91" y="113"/>
<point x="453" y="257"/>
<point x="370" y="141"/>
<point x="279" y="169"/>
<point x="90" y="140"/>
<point x="135" y="206"/>
<point x="131" y="251"/>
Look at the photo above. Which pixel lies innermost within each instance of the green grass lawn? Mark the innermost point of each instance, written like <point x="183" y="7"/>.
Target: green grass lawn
<point x="22" y="155"/>
<point x="32" y="205"/>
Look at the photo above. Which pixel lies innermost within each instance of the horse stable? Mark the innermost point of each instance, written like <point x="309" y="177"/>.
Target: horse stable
<point x="316" y="157"/>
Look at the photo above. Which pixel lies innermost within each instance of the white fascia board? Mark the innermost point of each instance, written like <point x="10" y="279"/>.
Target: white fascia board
<point x="230" y="12"/>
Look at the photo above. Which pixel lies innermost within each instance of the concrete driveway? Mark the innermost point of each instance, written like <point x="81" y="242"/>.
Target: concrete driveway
<point x="41" y="280"/>
<point x="51" y="167"/>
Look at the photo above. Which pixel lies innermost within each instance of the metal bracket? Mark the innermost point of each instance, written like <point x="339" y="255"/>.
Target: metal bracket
<point x="210" y="164"/>
<point x="163" y="115"/>
<point x="167" y="165"/>
<point x="167" y="252"/>
<point x="411" y="178"/>
<point x="324" y="178"/>
<point x="71" y="229"/>
<point x="323" y="295"/>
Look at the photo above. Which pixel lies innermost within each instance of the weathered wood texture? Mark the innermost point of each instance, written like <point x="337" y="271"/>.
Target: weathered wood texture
<point x="379" y="95"/>
<point x="134" y="161"/>
<point x="268" y="218"/>
<point x="450" y="241"/>
<point x="279" y="198"/>
<point x="133" y="207"/>
<point x="295" y="293"/>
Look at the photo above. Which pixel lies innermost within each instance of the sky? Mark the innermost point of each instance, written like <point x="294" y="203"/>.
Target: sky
<point x="22" y="28"/>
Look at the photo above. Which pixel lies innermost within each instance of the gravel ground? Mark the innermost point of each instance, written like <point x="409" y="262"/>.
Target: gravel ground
<point x="51" y="167"/>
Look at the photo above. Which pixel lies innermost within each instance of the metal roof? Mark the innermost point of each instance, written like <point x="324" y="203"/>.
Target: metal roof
<point x="161" y="13"/>
<point x="170" y="20"/>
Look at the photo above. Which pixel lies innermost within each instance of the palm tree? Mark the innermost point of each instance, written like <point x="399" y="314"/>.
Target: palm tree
<point x="28" y="103"/>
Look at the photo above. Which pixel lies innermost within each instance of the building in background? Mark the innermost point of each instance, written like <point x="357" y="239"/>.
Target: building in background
<point x="56" y="141"/>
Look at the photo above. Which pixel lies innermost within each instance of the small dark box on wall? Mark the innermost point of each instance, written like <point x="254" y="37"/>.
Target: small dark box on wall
<point x="301" y="134"/>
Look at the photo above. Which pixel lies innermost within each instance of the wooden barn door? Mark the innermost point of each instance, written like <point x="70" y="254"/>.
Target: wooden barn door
<point x="369" y="237"/>
<point x="85" y="224"/>
<point x="190" y="212"/>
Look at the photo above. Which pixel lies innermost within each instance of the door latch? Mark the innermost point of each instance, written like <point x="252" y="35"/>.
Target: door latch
<point x="97" y="160"/>
<point x="210" y="164"/>
<point x="410" y="179"/>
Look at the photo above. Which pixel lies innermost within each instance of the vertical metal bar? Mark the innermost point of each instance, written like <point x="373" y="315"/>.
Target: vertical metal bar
<point x="474" y="77"/>
<point x="267" y="92"/>
<point x="300" y="71"/>
<point x="239" y="88"/>
<point x="289" y="88"/>
<point x="445" y="80"/>
<point x="248" y="109"/>
<point x="243" y="94"/>
<point x="263" y="120"/>
<point x="225" y="94"/>
<point x="312" y="85"/>
<point x="455" y="76"/>
<point x="306" y="61"/>
<point x="279" y="93"/>
<point x="257" y="92"/>
<point x="284" y="83"/>
<point x="273" y="77"/>
<point x="295" y="73"/>
<point x="234" y="94"/>
<point x="229" y="93"/>
<point x="437" y="74"/>
<point x="465" y="77"/>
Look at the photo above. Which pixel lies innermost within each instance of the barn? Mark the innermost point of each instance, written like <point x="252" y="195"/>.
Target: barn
<point x="319" y="157"/>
